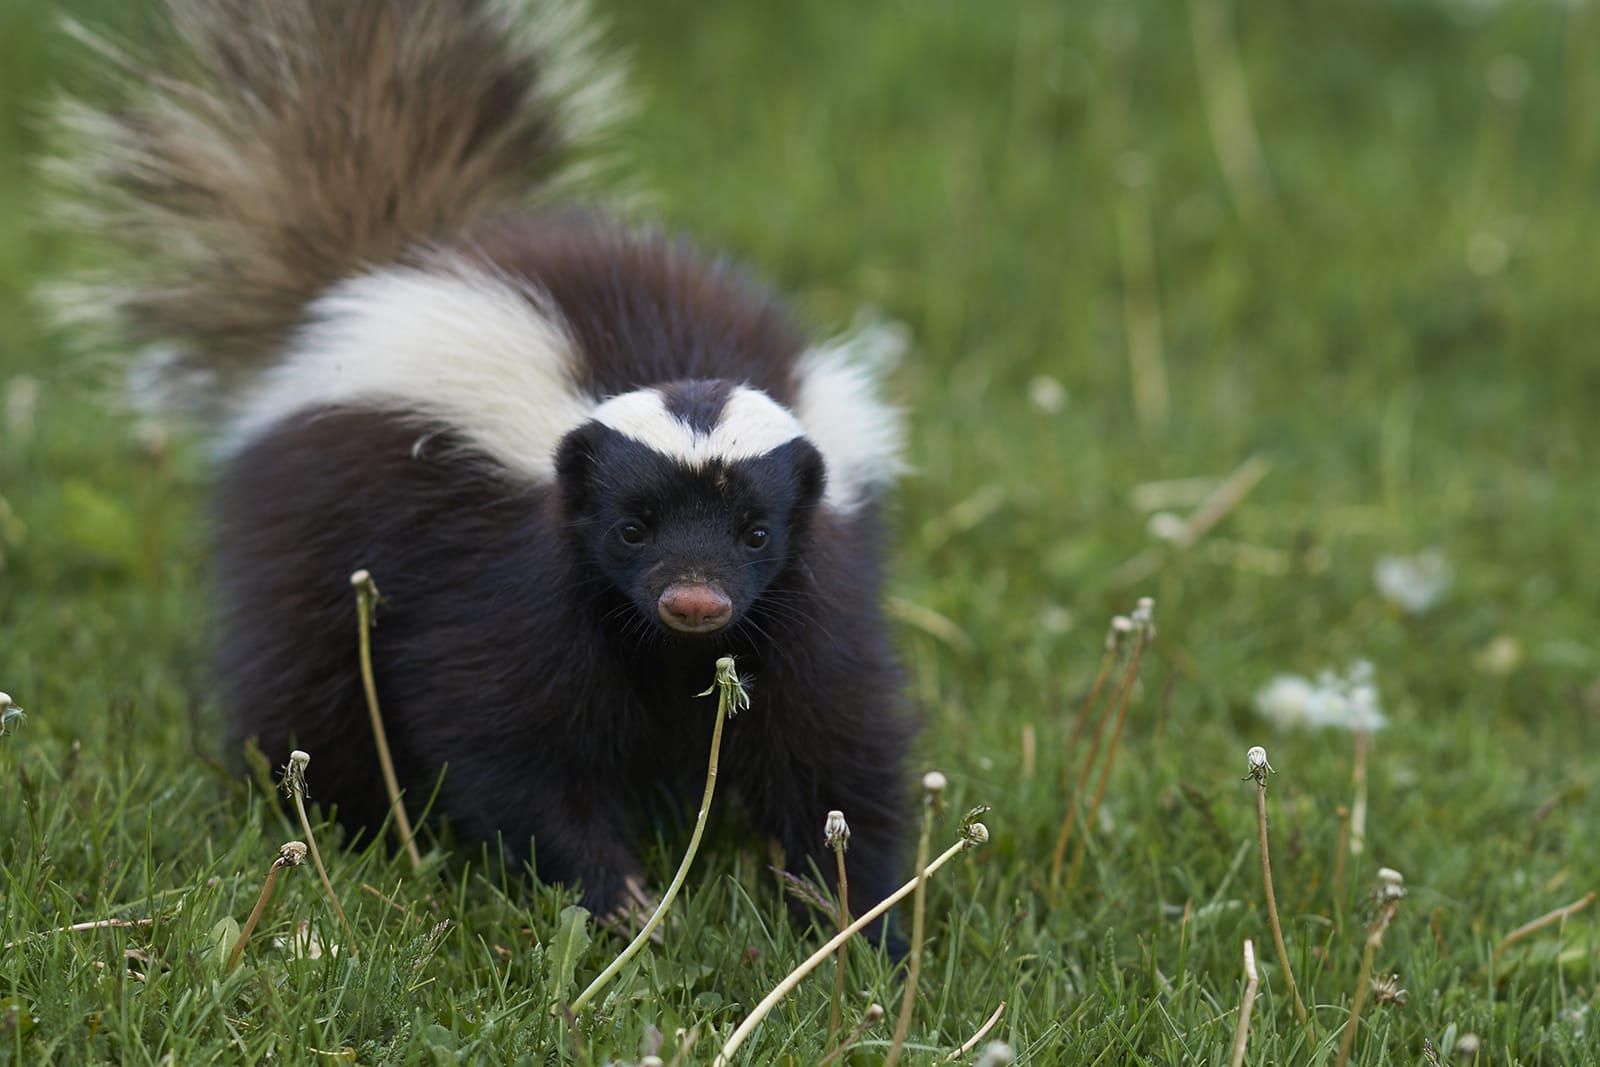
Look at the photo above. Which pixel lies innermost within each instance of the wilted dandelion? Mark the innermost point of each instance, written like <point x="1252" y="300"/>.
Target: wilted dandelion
<point x="1413" y="583"/>
<point x="1387" y="990"/>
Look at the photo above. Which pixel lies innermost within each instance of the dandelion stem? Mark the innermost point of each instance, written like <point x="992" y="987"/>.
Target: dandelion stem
<point x="1358" y="807"/>
<point x="934" y="784"/>
<point x="972" y="1042"/>
<point x="1340" y="857"/>
<point x="295" y="782"/>
<point x="366" y="602"/>
<point x="839" y="840"/>
<point x="1272" y="903"/>
<point x="291" y="854"/>
<point x="1124" y="691"/>
<point x="1252" y="979"/>
<point x="1363" y="981"/>
<point x="1069" y="823"/>
<point x="730" y="698"/>
<point x="794" y="977"/>
<point x="1558" y="915"/>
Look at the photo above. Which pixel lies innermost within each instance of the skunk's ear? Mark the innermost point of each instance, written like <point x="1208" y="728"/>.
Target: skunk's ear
<point x="810" y="473"/>
<point x="575" y="462"/>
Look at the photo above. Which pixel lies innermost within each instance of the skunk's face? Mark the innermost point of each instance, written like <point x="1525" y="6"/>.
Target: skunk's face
<point x="690" y="499"/>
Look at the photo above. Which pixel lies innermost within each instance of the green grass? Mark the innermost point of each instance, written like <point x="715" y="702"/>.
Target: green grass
<point x="960" y="167"/>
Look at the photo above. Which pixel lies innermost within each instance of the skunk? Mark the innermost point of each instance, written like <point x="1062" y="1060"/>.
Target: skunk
<point x="582" y="461"/>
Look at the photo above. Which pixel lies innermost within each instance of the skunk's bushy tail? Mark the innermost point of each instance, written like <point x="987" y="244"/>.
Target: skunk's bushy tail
<point x="277" y="147"/>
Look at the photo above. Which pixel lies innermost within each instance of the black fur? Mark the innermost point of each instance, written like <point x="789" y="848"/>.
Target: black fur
<point x="525" y="648"/>
<point x="518" y="649"/>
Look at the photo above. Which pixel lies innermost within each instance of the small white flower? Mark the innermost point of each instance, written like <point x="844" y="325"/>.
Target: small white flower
<point x="1256" y="760"/>
<point x="1413" y="583"/>
<point x="1391" y="885"/>
<point x="934" y="782"/>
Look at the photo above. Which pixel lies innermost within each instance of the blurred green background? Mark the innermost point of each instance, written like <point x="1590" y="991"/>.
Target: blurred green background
<point x="1131" y="243"/>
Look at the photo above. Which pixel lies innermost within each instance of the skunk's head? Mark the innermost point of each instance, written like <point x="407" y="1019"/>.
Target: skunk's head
<point x="690" y="498"/>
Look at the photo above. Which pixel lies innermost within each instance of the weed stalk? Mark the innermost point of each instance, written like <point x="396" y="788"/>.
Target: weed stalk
<point x="366" y="605"/>
<point x="731" y="699"/>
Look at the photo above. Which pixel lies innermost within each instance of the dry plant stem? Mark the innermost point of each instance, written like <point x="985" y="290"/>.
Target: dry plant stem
<point x="1363" y="981"/>
<point x="1358" y="807"/>
<point x="1252" y="980"/>
<point x="366" y="599"/>
<point x="908" y="999"/>
<point x="972" y="1042"/>
<point x="322" y="872"/>
<point x="794" y="977"/>
<point x="1339" y="859"/>
<point x="844" y="921"/>
<point x="1124" y="692"/>
<point x="1272" y="907"/>
<point x="96" y="924"/>
<point x="1070" y="823"/>
<point x="255" y="913"/>
<point x="724" y="704"/>
<point x="1558" y="915"/>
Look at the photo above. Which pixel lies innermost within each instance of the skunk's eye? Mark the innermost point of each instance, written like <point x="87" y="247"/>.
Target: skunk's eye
<point x="633" y="532"/>
<point x="755" y="537"/>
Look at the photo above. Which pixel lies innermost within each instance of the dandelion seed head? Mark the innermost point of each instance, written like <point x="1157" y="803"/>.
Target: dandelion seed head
<point x="836" y="832"/>
<point x="1413" y="583"/>
<point x="1048" y="396"/>
<point x="1333" y="701"/>
<point x="996" y="1054"/>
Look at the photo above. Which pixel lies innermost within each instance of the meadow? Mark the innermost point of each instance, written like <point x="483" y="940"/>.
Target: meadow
<point x="1227" y="305"/>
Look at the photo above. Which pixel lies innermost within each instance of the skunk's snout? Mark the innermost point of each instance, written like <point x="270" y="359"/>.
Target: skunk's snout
<point x="694" y="607"/>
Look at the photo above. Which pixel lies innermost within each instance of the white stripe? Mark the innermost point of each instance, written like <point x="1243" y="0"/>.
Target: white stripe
<point x="454" y="343"/>
<point x="751" y="425"/>
<point x="839" y="403"/>
<point x="459" y="344"/>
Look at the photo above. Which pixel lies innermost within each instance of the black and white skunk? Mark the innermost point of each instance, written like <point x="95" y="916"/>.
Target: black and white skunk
<point x="581" y="461"/>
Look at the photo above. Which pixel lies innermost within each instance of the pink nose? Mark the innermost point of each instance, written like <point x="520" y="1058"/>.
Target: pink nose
<point x="695" y="609"/>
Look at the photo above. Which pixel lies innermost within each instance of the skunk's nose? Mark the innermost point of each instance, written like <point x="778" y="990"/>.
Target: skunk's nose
<point x="694" y="608"/>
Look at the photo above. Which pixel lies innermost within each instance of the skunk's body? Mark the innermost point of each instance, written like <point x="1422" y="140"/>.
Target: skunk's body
<point x="580" y="462"/>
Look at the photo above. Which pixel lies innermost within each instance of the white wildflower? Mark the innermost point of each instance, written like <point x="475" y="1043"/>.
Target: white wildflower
<point x="1413" y="583"/>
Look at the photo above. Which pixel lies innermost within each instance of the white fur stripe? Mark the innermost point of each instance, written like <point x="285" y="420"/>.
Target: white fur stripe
<point x="751" y="424"/>
<point x="454" y="343"/>
<point x="839" y="403"/>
